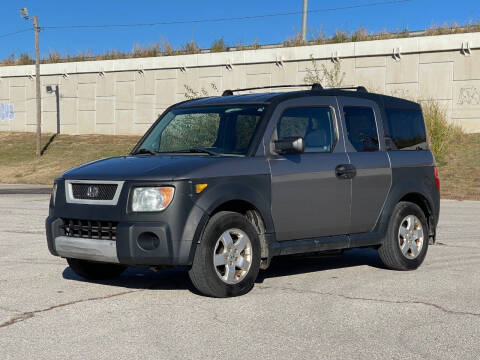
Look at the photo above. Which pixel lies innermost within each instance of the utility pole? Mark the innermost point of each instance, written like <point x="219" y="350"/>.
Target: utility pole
<point x="304" y="20"/>
<point x="37" y="80"/>
<point x="36" y="29"/>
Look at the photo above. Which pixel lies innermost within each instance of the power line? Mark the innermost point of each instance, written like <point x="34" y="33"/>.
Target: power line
<point x="15" y="32"/>
<point x="252" y="17"/>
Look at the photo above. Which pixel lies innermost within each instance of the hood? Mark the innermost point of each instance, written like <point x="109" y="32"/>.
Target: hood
<point x="141" y="167"/>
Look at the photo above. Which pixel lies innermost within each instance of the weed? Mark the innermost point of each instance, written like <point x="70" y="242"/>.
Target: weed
<point x="25" y="59"/>
<point x="360" y="35"/>
<point x="322" y="75"/>
<point x="218" y="45"/>
<point x="339" y="37"/>
<point x="295" y="40"/>
<point x="441" y="133"/>
<point x="190" y="47"/>
<point x="167" y="48"/>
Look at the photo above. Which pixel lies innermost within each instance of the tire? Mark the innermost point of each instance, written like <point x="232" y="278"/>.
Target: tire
<point x="401" y="248"/>
<point x="95" y="270"/>
<point x="223" y="270"/>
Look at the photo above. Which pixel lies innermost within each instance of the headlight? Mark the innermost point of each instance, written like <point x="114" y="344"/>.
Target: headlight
<point x="152" y="198"/>
<point x="54" y="193"/>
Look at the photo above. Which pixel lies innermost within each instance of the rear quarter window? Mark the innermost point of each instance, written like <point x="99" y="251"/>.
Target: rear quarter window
<point x="406" y="130"/>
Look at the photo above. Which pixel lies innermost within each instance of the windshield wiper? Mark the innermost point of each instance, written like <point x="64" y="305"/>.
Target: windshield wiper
<point x="144" y="151"/>
<point x="202" y="150"/>
<point x="197" y="150"/>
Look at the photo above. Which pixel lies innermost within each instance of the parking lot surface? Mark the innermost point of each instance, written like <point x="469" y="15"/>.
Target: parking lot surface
<point x="304" y="307"/>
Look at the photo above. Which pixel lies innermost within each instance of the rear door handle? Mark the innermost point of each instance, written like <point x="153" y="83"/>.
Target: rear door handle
<point x="345" y="171"/>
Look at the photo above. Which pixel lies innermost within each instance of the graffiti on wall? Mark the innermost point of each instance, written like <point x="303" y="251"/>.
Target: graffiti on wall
<point x="469" y="96"/>
<point x="6" y="111"/>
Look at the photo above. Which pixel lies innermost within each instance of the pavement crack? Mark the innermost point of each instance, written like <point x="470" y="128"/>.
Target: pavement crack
<point x="29" y="314"/>
<point x="415" y="302"/>
<point x="17" y="318"/>
<point x="457" y="246"/>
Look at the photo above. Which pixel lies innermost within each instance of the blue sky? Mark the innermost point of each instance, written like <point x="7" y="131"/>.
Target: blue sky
<point x="416" y="15"/>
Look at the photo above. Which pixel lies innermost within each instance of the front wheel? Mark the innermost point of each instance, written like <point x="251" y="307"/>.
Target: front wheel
<point x="227" y="260"/>
<point x="406" y="243"/>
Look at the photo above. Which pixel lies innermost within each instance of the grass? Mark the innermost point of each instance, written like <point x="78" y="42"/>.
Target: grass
<point x="459" y="172"/>
<point x="18" y="164"/>
<point x="457" y="154"/>
<point x="191" y="47"/>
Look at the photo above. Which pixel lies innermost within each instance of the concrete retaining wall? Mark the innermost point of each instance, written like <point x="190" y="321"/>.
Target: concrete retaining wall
<point x="125" y="96"/>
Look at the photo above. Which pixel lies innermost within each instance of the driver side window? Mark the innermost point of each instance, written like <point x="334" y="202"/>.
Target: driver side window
<point x="313" y="124"/>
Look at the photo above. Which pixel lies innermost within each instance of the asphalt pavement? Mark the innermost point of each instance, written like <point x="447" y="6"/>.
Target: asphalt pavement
<point x="25" y="189"/>
<point x="303" y="307"/>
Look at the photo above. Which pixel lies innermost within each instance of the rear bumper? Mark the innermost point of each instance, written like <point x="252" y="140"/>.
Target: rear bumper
<point x="125" y="249"/>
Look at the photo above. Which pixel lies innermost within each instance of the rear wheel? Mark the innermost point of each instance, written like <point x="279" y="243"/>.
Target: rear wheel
<point x="94" y="270"/>
<point x="227" y="260"/>
<point x="406" y="243"/>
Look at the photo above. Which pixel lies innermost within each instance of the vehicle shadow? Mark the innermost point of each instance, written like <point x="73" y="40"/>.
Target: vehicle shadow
<point x="308" y="263"/>
<point x="177" y="278"/>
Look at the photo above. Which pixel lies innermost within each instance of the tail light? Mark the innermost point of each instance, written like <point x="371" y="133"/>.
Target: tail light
<point x="437" y="179"/>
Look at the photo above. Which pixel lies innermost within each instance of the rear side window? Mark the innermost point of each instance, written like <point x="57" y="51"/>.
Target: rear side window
<point x="406" y="130"/>
<point x="314" y="124"/>
<point x="361" y="128"/>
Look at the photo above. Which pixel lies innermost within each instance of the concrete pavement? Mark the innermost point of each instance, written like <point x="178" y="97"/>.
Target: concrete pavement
<point x="301" y="308"/>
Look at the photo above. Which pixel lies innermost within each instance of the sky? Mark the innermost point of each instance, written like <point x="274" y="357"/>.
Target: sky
<point x="414" y="15"/>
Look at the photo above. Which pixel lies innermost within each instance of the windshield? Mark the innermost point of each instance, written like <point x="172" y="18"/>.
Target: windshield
<point x="209" y="129"/>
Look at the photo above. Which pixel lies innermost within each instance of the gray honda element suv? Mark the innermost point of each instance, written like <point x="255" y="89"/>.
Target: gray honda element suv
<point x="221" y="185"/>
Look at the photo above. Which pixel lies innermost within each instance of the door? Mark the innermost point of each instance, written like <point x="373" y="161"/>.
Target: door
<point x="308" y="199"/>
<point x="365" y="147"/>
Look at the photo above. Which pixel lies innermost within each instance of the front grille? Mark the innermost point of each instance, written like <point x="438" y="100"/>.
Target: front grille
<point x="94" y="191"/>
<point x="90" y="229"/>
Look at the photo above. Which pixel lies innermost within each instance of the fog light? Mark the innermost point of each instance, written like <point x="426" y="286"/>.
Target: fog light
<point x="148" y="241"/>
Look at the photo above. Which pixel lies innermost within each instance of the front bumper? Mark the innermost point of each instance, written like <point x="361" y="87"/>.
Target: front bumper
<point x="125" y="249"/>
<point x="176" y="230"/>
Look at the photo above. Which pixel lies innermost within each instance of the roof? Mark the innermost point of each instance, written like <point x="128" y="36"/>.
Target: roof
<point x="270" y="97"/>
<point x="233" y="99"/>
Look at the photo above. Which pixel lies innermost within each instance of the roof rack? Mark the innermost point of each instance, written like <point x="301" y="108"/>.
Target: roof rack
<point x="314" y="86"/>
<point x="230" y="92"/>
<point x="357" y="88"/>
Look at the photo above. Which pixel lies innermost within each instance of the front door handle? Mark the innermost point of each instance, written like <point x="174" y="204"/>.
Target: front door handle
<point x="345" y="171"/>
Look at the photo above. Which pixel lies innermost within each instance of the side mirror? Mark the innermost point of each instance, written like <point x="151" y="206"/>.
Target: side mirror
<point x="290" y="145"/>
